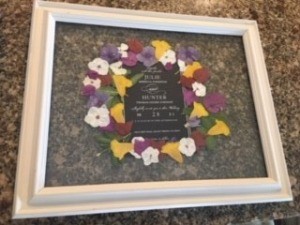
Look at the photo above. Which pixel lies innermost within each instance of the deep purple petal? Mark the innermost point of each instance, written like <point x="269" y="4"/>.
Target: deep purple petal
<point x="189" y="96"/>
<point x="110" y="127"/>
<point x="140" y="146"/>
<point x="92" y="74"/>
<point x="214" y="102"/>
<point x="88" y="90"/>
<point x="131" y="60"/>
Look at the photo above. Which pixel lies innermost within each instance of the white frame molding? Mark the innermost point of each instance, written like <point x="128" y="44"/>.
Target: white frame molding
<point x="33" y="199"/>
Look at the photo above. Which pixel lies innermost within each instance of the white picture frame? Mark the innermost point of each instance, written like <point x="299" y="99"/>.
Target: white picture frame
<point x="33" y="199"/>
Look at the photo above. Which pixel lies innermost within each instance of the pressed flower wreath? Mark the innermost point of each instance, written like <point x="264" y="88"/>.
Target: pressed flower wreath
<point x="105" y="86"/>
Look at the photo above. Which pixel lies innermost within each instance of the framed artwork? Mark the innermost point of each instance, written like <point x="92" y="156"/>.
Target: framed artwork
<point x="131" y="110"/>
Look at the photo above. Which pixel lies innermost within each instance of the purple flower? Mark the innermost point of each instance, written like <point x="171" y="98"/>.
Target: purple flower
<point x="92" y="74"/>
<point x="130" y="60"/>
<point x="110" y="127"/>
<point x="189" y="96"/>
<point x="214" y="102"/>
<point x="188" y="55"/>
<point x="169" y="66"/>
<point x="140" y="146"/>
<point x="147" y="56"/>
<point x="110" y="53"/>
<point x="97" y="99"/>
<point x="88" y="90"/>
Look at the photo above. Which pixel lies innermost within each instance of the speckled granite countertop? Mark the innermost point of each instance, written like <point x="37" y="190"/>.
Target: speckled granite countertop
<point x="279" y="26"/>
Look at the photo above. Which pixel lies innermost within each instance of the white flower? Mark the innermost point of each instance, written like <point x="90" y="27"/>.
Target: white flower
<point x="88" y="81"/>
<point x="132" y="152"/>
<point x="187" y="146"/>
<point x="168" y="57"/>
<point x="99" y="65"/>
<point x="98" y="117"/>
<point x="150" y="155"/>
<point x="199" y="89"/>
<point x="123" y="50"/>
<point x="117" y="68"/>
<point x="181" y="65"/>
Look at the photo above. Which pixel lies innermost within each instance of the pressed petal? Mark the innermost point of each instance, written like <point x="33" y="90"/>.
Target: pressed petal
<point x="198" y="110"/>
<point x="117" y="68"/>
<point x="121" y="83"/>
<point x="198" y="138"/>
<point x="190" y="69"/>
<point x="186" y="82"/>
<point x="187" y="146"/>
<point x="214" y="102"/>
<point x="201" y="75"/>
<point x="219" y="128"/>
<point x="124" y="129"/>
<point x="106" y="80"/>
<point x="120" y="149"/>
<point x="199" y="89"/>
<point x="135" y="46"/>
<point x="172" y="149"/>
<point x="189" y="96"/>
<point x="160" y="48"/>
<point x="117" y="112"/>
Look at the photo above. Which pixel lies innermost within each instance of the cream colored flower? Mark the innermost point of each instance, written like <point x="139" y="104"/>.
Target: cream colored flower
<point x="94" y="82"/>
<point x="187" y="146"/>
<point x="150" y="155"/>
<point x="199" y="89"/>
<point x="98" y="117"/>
<point x="99" y="65"/>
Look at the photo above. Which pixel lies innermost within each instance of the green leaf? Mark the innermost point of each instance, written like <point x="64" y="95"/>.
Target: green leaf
<point x="111" y="91"/>
<point x="136" y="78"/>
<point x="113" y="101"/>
<point x="202" y="130"/>
<point x="187" y="111"/>
<point x="221" y="116"/>
<point x="207" y="122"/>
<point x="211" y="142"/>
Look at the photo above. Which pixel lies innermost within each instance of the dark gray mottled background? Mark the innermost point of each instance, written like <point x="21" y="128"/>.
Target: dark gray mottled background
<point x="72" y="147"/>
<point x="278" y="23"/>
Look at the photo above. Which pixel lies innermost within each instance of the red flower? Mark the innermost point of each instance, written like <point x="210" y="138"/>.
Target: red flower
<point x="105" y="80"/>
<point x="123" y="128"/>
<point x="201" y="75"/>
<point x="186" y="82"/>
<point x="157" y="144"/>
<point x="198" y="138"/>
<point x="135" y="46"/>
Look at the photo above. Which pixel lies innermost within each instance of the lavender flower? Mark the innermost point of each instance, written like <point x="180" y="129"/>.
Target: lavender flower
<point x="97" y="99"/>
<point x="188" y="55"/>
<point x="147" y="56"/>
<point x="110" y="53"/>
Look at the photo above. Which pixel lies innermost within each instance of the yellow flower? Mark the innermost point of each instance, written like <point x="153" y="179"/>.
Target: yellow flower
<point x="198" y="110"/>
<point x="219" y="128"/>
<point x="190" y="69"/>
<point x="160" y="48"/>
<point x="121" y="83"/>
<point x="120" y="149"/>
<point x="117" y="112"/>
<point x="172" y="149"/>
